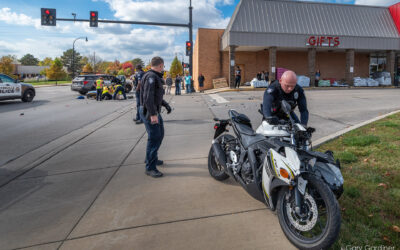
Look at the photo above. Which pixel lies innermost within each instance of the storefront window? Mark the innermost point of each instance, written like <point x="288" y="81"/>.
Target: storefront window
<point x="377" y="64"/>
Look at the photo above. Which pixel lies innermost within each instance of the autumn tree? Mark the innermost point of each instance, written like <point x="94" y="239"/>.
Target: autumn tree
<point x="87" y="68"/>
<point x="127" y="65"/>
<point x="176" y="68"/>
<point x="128" y="71"/>
<point x="7" y="65"/>
<point x="46" y="62"/>
<point x="102" y="67"/>
<point x="121" y="72"/>
<point x="114" y="68"/>
<point x="56" y="71"/>
<point x="29" y="59"/>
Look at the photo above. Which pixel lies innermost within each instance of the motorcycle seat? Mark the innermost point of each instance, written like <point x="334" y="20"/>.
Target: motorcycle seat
<point x="244" y="129"/>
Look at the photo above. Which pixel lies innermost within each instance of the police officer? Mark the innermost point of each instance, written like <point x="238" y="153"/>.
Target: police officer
<point x="151" y="100"/>
<point x="286" y="89"/>
<point x="137" y="82"/>
<point x="99" y="88"/>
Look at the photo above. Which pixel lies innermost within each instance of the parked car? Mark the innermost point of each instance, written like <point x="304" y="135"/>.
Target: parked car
<point x="14" y="89"/>
<point x="86" y="83"/>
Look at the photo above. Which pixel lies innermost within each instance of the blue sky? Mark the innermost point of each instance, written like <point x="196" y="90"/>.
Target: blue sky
<point x="21" y="32"/>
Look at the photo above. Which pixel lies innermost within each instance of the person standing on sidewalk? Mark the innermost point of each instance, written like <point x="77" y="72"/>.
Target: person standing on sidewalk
<point x="188" y="80"/>
<point x="99" y="88"/>
<point x="137" y="82"/>
<point x="238" y="74"/>
<point x="151" y="100"/>
<point x="201" y="82"/>
<point x="178" y="85"/>
<point x="168" y="81"/>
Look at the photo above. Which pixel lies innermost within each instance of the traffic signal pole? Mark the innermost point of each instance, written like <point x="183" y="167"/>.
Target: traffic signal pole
<point x="191" y="39"/>
<point x="50" y="13"/>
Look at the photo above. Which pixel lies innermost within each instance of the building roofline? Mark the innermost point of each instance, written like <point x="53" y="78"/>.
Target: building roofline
<point x="323" y="3"/>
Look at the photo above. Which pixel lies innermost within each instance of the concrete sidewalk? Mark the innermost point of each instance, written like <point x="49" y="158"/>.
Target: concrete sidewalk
<point x="95" y="194"/>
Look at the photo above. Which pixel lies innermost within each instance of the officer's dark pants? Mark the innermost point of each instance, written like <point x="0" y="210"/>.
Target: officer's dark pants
<point x="106" y="95"/>
<point x="137" y="95"/>
<point x="98" y="94"/>
<point x="155" y="135"/>
<point x="237" y="81"/>
<point x="118" y="90"/>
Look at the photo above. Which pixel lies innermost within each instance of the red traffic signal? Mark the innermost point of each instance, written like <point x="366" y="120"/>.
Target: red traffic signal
<point x="188" y="48"/>
<point x="48" y="17"/>
<point x="94" y="19"/>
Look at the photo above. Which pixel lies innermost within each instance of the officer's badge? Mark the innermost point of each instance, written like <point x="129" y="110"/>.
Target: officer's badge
<point x="270" y="90"/>
<point x="296" y="95"/>
<point x="151" y="80"/>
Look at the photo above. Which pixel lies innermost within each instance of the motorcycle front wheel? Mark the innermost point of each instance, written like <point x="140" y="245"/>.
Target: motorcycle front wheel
<point x="318" y="225"/>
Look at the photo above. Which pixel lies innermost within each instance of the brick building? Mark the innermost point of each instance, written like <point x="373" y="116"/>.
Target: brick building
<point x="342" y="41"/>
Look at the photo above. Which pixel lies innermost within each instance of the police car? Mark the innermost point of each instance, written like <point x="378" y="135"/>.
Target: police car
<point x="14" y="89"/>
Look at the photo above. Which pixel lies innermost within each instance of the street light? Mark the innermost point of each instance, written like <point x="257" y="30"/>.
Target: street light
<point x="73" y="54"/>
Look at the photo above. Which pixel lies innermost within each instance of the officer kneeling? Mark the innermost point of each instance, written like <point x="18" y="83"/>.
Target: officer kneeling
<point x="288" y="90"/>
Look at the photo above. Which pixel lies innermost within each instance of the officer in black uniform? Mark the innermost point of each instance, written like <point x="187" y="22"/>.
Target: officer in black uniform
<point x="288" y="90"/>
<point x="137" y="82"/>
<point x="151" y="100"/>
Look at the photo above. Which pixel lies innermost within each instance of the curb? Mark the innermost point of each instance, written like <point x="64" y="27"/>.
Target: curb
<point x="51" y="85"/>
<point x="222" y="90"/>
<point x="335" y="135"/>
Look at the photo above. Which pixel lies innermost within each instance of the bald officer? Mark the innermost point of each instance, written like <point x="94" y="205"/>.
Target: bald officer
<point x="288" y="90"/>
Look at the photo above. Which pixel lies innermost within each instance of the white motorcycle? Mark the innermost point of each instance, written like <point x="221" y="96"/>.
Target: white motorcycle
<point x="279" y="170"/>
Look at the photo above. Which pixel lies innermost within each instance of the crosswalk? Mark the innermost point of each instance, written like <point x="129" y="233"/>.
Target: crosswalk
<point x="218" y="98"/>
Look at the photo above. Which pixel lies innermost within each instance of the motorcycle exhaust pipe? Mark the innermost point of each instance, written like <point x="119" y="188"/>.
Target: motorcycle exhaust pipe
<point x="219" y="153"/>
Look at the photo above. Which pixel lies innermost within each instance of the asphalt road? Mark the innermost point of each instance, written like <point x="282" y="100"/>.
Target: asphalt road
<point x="54" y="112"/>
<point x="330" y="110"/>
<point x="81" y="184"/>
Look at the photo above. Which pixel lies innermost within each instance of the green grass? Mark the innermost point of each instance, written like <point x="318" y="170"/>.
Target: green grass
<point x="47" y="82"/>
<point x="370" y="203"/>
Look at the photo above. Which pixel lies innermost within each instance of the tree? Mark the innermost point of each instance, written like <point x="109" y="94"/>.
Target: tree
<point x="114" y="68"/>
<point x="56" y="71"/>
<point x="7" y="65"/>
<point x="137" y="61"/>
<point x="127" y="65"/>
<point x="102" y="67"/>
<point x="29" y="59"/>
<point x="87" y="68"/>
<point x="121" y="72"/>
<point x="46" y="62"/>
<point x="66" y="60"/>
<point x="128" y="71"/>
<point x="176" y="68"/>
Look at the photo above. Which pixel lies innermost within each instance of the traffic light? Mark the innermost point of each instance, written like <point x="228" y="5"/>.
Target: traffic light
<point x="188" y="48"/>
<point x="48" y="17"/>
<point x="94" y="19"/>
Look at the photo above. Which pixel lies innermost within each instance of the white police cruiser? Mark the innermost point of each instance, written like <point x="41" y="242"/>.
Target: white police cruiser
<point x="14" y="89"/>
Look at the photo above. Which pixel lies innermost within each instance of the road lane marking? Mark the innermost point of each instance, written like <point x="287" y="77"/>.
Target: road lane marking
<point x="218" y="98"/>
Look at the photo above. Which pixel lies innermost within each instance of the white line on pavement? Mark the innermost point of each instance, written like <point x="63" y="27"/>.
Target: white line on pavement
<point x="218" y="98"/>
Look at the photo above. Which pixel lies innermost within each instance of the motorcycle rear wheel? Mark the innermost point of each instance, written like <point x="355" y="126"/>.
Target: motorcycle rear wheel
<point x="320" y="202"/>
<point x="214" y="168"/>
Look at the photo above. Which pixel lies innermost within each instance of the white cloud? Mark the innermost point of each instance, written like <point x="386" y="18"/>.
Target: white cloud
<point x="119" y="41"/>
<point x="205" y="12"/>
<point x="376" y="2"/>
